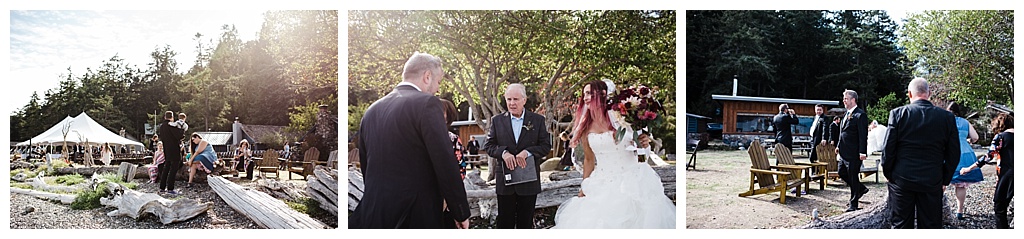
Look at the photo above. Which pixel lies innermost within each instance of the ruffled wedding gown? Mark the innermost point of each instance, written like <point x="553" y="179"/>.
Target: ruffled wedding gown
<point x="620" y="192"/>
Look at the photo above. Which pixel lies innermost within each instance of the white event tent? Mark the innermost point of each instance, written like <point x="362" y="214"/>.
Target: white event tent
<point x="82" y="129"/>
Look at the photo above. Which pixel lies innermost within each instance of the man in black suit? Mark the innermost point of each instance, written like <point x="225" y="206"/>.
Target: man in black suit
<point x="171" y="137"/>
<point x="832" y="134"/>
<point x="408" y="186"/>
<point x="784" y="122"/>
<point x="920" y="156"/>
<point x="853" y="147"/>
<point x="474" y="147"/>
<point x="817" y="130"/>
<point x="513" y="137"/>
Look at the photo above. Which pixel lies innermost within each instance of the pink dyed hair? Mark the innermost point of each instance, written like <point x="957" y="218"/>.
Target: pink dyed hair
<point x="596" y="108"/>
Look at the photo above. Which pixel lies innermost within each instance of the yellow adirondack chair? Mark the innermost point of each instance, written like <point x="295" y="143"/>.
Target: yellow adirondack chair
<point x="767" y="178"/>
<point x="810" y="171"/>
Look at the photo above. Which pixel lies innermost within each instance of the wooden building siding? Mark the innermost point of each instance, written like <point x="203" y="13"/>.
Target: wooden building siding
<point x="732" y="108"/>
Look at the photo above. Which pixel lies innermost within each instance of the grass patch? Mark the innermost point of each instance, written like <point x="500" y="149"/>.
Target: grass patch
<point x="21" y="185"/>
<point x="28" y="173"/>
<point x="112" y="177"/>
<point x="70" y="179"/>
<point x="90" y="199"/>
<point x="309" y="207"/>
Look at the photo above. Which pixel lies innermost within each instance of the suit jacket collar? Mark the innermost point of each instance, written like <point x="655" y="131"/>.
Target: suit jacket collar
<point x="406" y="85"/>
<point x="922" y="103"/>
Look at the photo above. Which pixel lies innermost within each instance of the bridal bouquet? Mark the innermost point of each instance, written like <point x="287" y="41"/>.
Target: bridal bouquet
<point x="636" y="108"/>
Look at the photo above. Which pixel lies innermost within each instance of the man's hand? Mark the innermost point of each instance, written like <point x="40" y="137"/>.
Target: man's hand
<point x="510" y="160"/>
<point x="863" y="157"/>
<point x="462" y="224"/>
<point x="822" y="142"/>
<point x="521" y="158"/>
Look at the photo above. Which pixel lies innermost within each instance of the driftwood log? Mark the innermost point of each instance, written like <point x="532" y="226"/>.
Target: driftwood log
<point x="322" y="186"/>
<point x="62" y="198"/>
<point x="562" y="186"/>
<point x="135" y="204"/>
<point x="266" y="211"/>
<point x="874" y="217"/>
<point x="87" y="171"/>
<point x="281" y="190"/>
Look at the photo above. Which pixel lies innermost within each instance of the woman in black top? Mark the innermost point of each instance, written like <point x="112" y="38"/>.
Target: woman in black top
<point x="1001" y="151"/>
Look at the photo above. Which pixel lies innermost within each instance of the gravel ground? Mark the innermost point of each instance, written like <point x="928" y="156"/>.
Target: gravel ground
<point x="712" y="200"/>
<point x="29" y="212"/>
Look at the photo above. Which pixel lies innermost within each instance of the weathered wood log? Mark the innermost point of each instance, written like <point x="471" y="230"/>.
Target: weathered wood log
<point x="62" y="198"/>
<point x="323" y="187"/>
<point x="876" y="216"/>
<point x="126" y="171"/>
<point x="328" y="177"/>
<point x="87" y="171"/>
<point x="135" y="204"/>
<point x="266" y="211"/>
<point x="21" y="164"/>
<point x="330" y="205"/>
<point x="355" y="188"/>
<point x="20" y="177"/>
<point x="281" y="190"/>
<point x="482" y="197"/>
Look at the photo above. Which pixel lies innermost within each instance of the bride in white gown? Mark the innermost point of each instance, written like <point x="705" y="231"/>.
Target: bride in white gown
<point x="617" y="191"/>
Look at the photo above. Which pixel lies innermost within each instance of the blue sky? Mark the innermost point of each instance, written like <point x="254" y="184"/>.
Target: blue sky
<point x="45" y="44"/>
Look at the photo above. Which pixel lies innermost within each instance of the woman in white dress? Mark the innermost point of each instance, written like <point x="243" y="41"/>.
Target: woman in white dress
<point x="617" y="190"/>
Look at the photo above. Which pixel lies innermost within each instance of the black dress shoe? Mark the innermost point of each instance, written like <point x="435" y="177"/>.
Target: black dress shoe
<point x="850" y="209"/>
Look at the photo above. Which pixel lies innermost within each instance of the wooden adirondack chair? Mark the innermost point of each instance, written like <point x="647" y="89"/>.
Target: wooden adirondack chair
<point x="332" y="161"/>
<point x="268" y="164"/>
<point x="767" y="179"/>
<point x="827" y="154"/>
<point x="811" y="171"/>
<point x="304" y="168"/>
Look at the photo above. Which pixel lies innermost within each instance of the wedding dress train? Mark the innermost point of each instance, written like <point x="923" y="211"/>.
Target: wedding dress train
<point x="620" y="192"/>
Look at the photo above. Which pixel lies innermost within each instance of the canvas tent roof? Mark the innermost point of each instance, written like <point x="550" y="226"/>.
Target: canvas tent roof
<point x="83" y="128"/>
<point x="52" y="132"/>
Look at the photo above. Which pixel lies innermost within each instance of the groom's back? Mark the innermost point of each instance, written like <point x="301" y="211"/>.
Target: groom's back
<point x="402" y="140"/>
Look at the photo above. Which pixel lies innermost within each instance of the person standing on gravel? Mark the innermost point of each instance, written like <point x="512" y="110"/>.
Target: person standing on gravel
<point x="170" y="135"/>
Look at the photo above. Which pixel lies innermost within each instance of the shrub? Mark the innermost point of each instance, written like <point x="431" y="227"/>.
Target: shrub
<point x="90" y="199"/>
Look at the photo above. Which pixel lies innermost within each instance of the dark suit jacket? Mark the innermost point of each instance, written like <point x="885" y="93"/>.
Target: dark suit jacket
<point x="922" y="148"/>
<point x="408" y="164"/>
<point x="171" y="137"/>
<point x="474" y="147"/>
<point x="536" y="140"/>
<point x="853" y="135"/>
<point x="819" y="133"/>
<point x="832" y="134"/>
<point x="784" y="128"/>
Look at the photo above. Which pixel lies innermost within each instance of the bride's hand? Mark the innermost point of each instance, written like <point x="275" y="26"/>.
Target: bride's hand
<point x="581" y="193"/>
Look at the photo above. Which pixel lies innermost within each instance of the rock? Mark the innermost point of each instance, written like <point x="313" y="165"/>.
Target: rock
<point x="550" y="165"/>
<point x="28" y="210"/>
